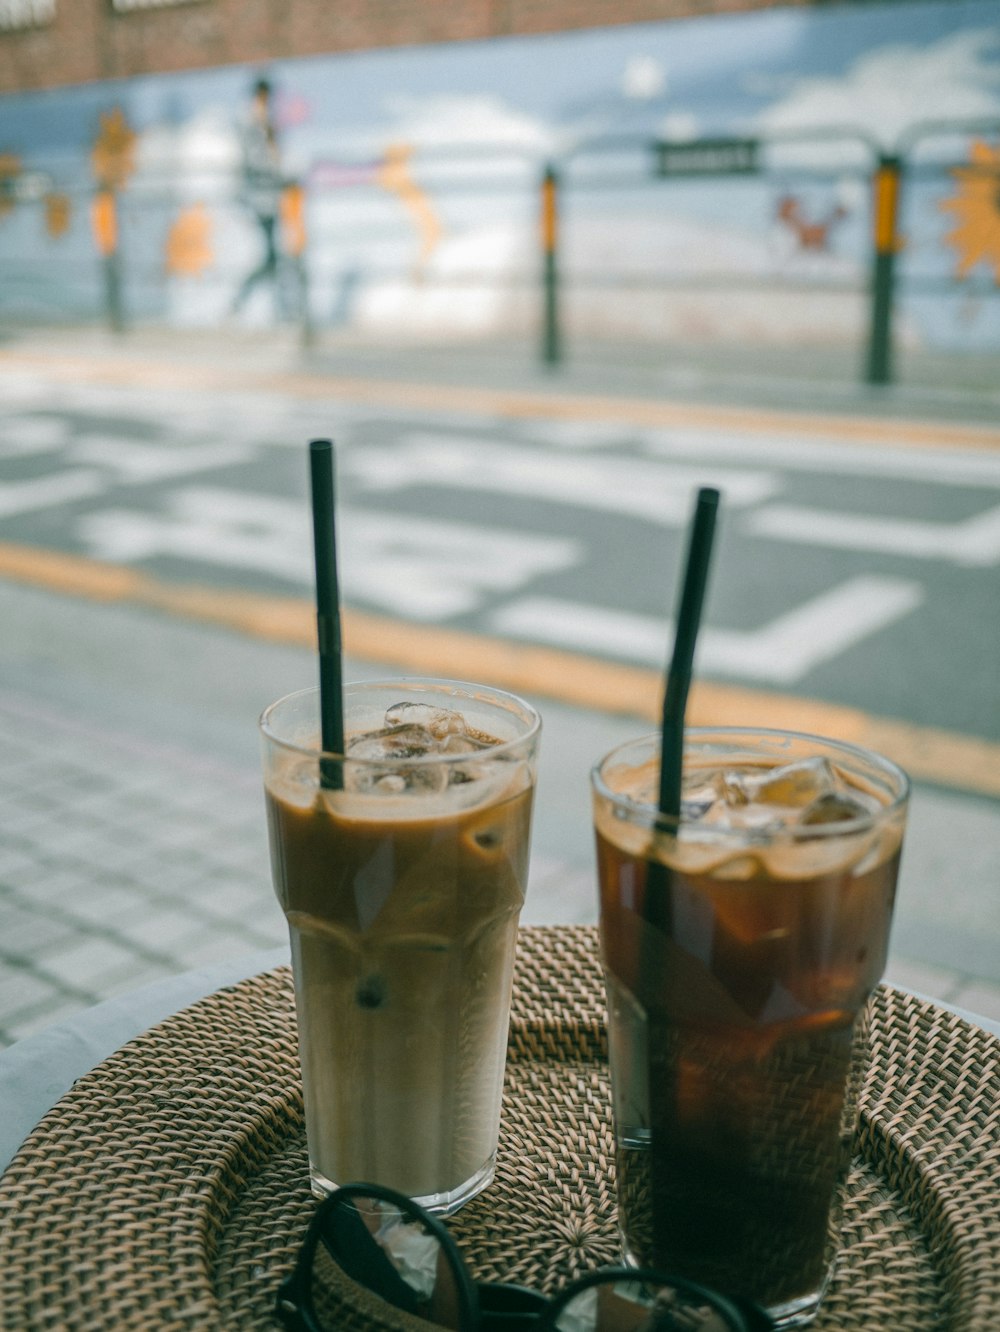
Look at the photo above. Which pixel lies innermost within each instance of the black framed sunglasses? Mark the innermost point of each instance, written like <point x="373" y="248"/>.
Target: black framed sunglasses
<point x="368" y="1247"/>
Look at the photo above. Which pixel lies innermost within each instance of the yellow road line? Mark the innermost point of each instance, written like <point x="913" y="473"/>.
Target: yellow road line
<point x="127" y="370"/>
<point x="945" y="758"/>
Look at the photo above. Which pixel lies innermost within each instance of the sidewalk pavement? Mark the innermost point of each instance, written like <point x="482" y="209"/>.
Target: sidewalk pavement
<point x="134" y="843"/>
<point x="814" y="378"/>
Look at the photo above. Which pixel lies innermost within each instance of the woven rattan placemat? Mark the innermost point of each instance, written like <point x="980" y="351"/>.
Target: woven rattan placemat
<point x="168" y="1188"/>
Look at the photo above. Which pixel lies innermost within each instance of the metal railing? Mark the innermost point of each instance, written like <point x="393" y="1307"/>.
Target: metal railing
<point x="122" y="222"/>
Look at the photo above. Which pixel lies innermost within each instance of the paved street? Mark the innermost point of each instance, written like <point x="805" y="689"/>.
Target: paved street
<point x="853" y="584"/>
<point x="853" y="563"/>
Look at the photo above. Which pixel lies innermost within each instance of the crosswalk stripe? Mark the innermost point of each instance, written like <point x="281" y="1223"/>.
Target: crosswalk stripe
<point x="779" y="652"/>
<point x="659" y="492"/>
<point x="42" y="492"/>
<point x="974" y="542"/>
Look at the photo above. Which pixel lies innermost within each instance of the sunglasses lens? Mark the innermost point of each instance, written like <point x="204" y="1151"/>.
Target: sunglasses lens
<point x="371" y="1251"/>
<point x="624" y="1304"/>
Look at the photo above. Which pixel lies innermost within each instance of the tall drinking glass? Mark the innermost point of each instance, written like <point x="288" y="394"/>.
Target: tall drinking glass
<point x="740" y="946"/>
<point x="401" y="868"/>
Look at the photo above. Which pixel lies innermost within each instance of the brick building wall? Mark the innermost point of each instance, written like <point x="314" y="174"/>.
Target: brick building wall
<point x="47" y="43"/>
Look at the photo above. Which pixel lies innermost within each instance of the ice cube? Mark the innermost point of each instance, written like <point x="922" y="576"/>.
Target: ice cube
<point x="795" y="785"/>
<point x="460" y="744"/>
<point x="884" y="842"/>
<point x="724" y="803"/>
<point x="742" y="868"/>
<point x="732" y="788"/>
<point x="381" y="772"/>
<point x="440" y="722"/>
<point x="696" y="856"/>
<point x="296" y="783"/>
<point x="833" y="807"/>
<point x="808" y="858"/>
<point x="382" y="779"/>
<point x="464" y="772"/>
<point x="697" y="800"/>
<point x="394" y="742"/>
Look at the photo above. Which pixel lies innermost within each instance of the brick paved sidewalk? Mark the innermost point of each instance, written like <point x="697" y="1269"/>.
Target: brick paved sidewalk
<point x="118" y="865"/>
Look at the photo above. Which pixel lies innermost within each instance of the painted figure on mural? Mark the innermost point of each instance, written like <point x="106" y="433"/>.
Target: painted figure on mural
<point x="261" y="187"/>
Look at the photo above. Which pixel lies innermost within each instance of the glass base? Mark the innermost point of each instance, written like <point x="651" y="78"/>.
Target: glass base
<point x="793" y="1313"/>
<point x="796" y="1313"/>
<point x="445" y="1203"/>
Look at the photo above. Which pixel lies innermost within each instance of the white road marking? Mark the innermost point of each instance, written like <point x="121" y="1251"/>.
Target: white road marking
<point x="25" y="388"/>
<point x="974" y="542"/>
<point x="781" y="652"/>
<point x="420" y="568"/>
<point x="25" y="435"/>
<point x="172" y="414"/>
<point x="44" y="492"/>
<point x="426" y="569"/>
<point x="136" y="461"/>
<point x="839" y="457"/>
<point x="656" y="491"/>
<point x="285" y="419"/>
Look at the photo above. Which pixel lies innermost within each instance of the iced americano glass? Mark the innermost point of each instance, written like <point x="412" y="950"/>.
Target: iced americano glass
<point x="402" y="888"/>
<point x="740" y="946"/>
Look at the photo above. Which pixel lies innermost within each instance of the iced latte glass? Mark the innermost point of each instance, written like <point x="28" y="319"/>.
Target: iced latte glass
<point x="401" y="868"/>
<point x="740" y="947"/>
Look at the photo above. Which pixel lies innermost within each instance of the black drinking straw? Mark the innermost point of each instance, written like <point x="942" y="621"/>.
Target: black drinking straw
<point x="658" y="892"/>
<point x="678" y="680"/>
<point x="331" y="691"/>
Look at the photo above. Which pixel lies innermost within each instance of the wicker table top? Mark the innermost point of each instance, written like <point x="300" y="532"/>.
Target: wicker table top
<point x="169" y="1188"/>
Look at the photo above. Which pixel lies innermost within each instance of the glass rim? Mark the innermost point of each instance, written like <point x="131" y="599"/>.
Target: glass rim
<point x="464" y="688"/>
<point x="640" y="811"/>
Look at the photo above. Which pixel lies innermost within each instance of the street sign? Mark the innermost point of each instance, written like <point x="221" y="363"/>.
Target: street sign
<point x="706" y="157"/>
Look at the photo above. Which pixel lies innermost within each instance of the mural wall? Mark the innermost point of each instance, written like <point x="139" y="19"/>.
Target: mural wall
<point x="408" y="199"/>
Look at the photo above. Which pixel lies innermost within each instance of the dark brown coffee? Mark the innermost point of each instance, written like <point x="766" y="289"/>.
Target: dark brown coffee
<point x="738" y="977"/>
